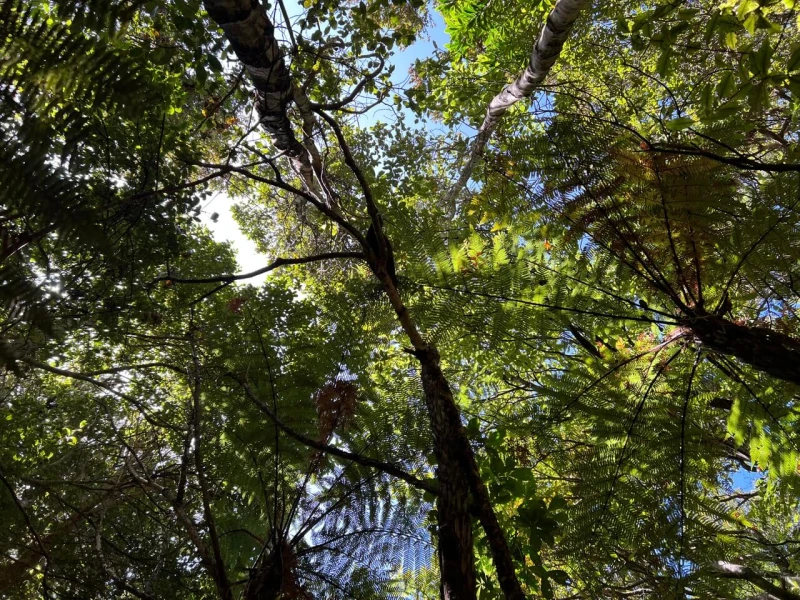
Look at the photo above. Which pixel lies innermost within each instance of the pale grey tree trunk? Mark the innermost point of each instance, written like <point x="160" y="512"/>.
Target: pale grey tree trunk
<point x="545" y="53"/>
<point x="734" y="571"/>
<point x="252" y="37"/>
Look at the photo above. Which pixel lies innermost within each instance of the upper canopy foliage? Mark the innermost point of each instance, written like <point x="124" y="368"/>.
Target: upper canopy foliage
<point x="582" y="382"/>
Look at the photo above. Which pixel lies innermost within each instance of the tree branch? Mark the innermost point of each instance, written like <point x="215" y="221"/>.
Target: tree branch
<point x="729" y="570"/>
<point x="384" y="467"/>
<point x="279" y="262"/>
<point x="102" y="385"/>
<point x="329" y="212"/>
<point x="747" y="164"/>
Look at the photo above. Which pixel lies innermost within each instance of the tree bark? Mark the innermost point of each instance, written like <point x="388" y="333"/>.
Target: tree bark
<point x="765" y="350"/>
<point x="252" y="36"/>
<point x="456" y="560"/>
<point x="733" y="571"/>
<point x="458" y="476"/>
<point x="545" y="53"/>
<point x="267" y="579"/>
<point x="457" y="471"/>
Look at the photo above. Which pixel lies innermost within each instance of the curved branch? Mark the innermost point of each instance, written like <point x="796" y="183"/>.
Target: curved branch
<point x="28" y="523"/>
<point x="339" y="104"/>
<point x="102" y="385"/>
<point x="279" y="262"/>
<point x="329" y="212"/>
<point x="387" y="468"/>
<point x="150" y="365"/>
<point x="747" y="164"/>
<point x="351" y="163"/>
<point x="753" y="246"/>
<point x="579" y="311"/>
<point x="729" y="570"/>
<point x="222" y="170"/>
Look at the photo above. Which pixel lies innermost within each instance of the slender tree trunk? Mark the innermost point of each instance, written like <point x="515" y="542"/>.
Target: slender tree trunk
<point x="763" y="349"/>
<point x="545" y="53"/>
<point x="458" y="476"/>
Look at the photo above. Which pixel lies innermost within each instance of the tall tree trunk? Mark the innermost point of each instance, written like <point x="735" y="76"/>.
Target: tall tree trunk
<point x="545" y="53"/>
<point x="763" y="349"/>
<point x="252" y="36"/>
<point x="458" y="474"/>
<point x="456" y="560"/>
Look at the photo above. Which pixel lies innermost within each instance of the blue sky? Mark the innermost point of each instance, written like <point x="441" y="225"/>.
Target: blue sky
<point x="745" y="481"/>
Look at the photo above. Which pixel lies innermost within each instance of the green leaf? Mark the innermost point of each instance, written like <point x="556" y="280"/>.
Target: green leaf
<point x="214" y="63"/>
<point x="793" y="64"/>
<point x="745" y="8"/>
<point x="751" y="22"/>
<point x="759" y="60"/>
<point x="726" y="85"/>
<point x="522" y="474"/>
<point x="794" y="86"/>
<point x="707" y="98"/>
<point x="679" y="123"/>
<point x="662" y="66"/>
<point x="559" y="576"/>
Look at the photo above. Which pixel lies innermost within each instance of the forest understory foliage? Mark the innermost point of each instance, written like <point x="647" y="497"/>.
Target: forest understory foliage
<point x="528" y="320"/>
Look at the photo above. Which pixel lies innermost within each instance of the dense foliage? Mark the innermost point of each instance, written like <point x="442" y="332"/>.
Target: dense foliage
<point x="551" y="349"/>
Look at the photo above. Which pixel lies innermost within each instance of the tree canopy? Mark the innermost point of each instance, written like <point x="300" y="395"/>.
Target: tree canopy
<point x="526" y="324"/>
